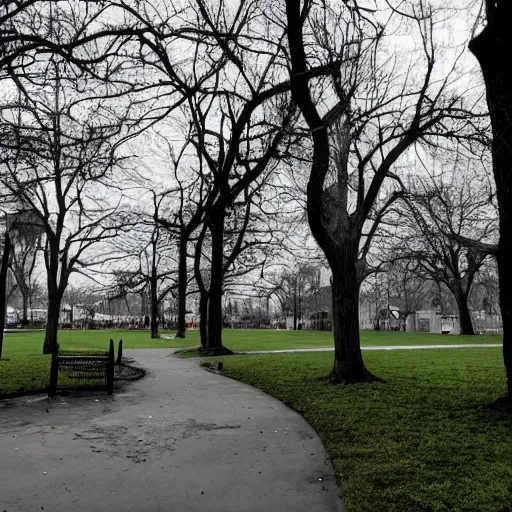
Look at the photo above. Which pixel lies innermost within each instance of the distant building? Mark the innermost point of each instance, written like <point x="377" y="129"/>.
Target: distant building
<point x="371" y="316"/>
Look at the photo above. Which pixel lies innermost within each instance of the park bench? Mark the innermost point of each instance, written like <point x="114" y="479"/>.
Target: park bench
<point x="84" y="370"/>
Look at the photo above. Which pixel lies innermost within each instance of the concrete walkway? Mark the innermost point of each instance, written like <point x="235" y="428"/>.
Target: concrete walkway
<point x="387" y="347"/>
<point x="181" y="439"/>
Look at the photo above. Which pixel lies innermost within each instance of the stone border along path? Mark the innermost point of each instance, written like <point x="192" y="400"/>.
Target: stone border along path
<point x="390" y="347"/>
<point x="181" y="439"/>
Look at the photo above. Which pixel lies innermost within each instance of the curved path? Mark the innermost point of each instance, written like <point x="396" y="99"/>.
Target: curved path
<point x="181" y="439"/>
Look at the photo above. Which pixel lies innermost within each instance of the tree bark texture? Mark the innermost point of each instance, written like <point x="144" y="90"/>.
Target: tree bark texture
<point x="466" y="324"/>
<point x="182" y="288"/>
<point x="24" y="296"/>
<point x="340" y="240"/>
<point x="3" y="286"/>
<point x="203" y="318"/>
<point x="493" y="47"/>
<point x="154" y="295"/>
<point x="154" y="317"/>
<point x="295" y="307"/>
<point x="143" y="303"/>
<point x="52" y="324"/>
<point x="348" y="360"/>
<point x="214" y="340"/>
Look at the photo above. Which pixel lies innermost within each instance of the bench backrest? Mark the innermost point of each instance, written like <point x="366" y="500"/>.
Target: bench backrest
<point x="83" y="369"/>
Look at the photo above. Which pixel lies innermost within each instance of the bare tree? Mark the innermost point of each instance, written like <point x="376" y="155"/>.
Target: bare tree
<point x="19" y="230"/>
<point x="148" y="255"/>
<point x="157" y="269"/>
<point x="485" y="292"/>
<point x="248" y="242"/>
<point x="237" y="165"/>
<point x="181" y="209"/>
<point x="295" y="287"/>
<point x="57" y="163"/>
<point x="397" y="285"/>
<point x="23" y="261"/>
<point x="431" y="217"/>
<point x="379" y="115"/>
<point x="239" y="116"/>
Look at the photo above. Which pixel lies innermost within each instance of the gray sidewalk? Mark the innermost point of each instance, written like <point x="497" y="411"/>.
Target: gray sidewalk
<point x="181" y="439"/>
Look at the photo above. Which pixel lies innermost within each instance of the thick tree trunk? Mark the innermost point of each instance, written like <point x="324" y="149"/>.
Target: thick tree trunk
<point x="203" y="318"/>
<point x="214" y="341"/>
<point x="300" y="313"/>
<point x="465" y="322"/>
<point x="3" y="286"/>
<point x="24" y="298"/>
<point x="493" y="47"/>
<point x="154" y="320"/>
<point x="295" y="309"/>
<point x="52" y="324"/>
<point x="182" y="288"/>
<point x="154" y="327"/>
<point x="154" y="303"/>
<point x="348" y="360"/>
<point x="505" y="280"/>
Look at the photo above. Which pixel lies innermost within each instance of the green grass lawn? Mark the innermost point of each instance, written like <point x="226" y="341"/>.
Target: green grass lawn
<point x="28" y="369"/>
<point x="267" y="339"/>
<point x="426" y="440"/>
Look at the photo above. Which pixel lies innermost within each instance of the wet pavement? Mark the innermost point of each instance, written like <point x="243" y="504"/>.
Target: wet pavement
<point x="181" y="439"/>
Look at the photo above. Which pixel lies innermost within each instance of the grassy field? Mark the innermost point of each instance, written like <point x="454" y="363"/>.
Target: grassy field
<point x="256" y="340"/>
<point x="28" y="369"/>
<point x="426" y="441"/>
<point x="267" y="339"/>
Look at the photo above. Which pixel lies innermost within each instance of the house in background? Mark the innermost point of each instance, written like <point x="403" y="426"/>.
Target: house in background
<point x="429" y="319"/>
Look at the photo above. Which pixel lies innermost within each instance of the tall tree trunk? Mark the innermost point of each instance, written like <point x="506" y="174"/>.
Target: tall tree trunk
<point x="182" y="288"/>
<point x="465" y="322"/>
<point x="338" y="237"/>
<point x="505" y="281"/>
<point x="203" y="318"/>
<point x="3" y="286"/>
<point x="154" y="325"/>
<point x="214" y="341"/>
<point x="295" y="308"/>
<point x="493" y="47"/>
<point x="153" y="289"/>
<point x="52" y="323"/>
<point x="300" y="312"/>
<point x="203" y="292"/>
<point x="24" y="298"/>
<point x="154" y="312"/>
<point x="348" y="360"/>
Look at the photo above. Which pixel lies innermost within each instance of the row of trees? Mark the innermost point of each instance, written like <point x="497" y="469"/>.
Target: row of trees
<point x="270" y="96"/>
